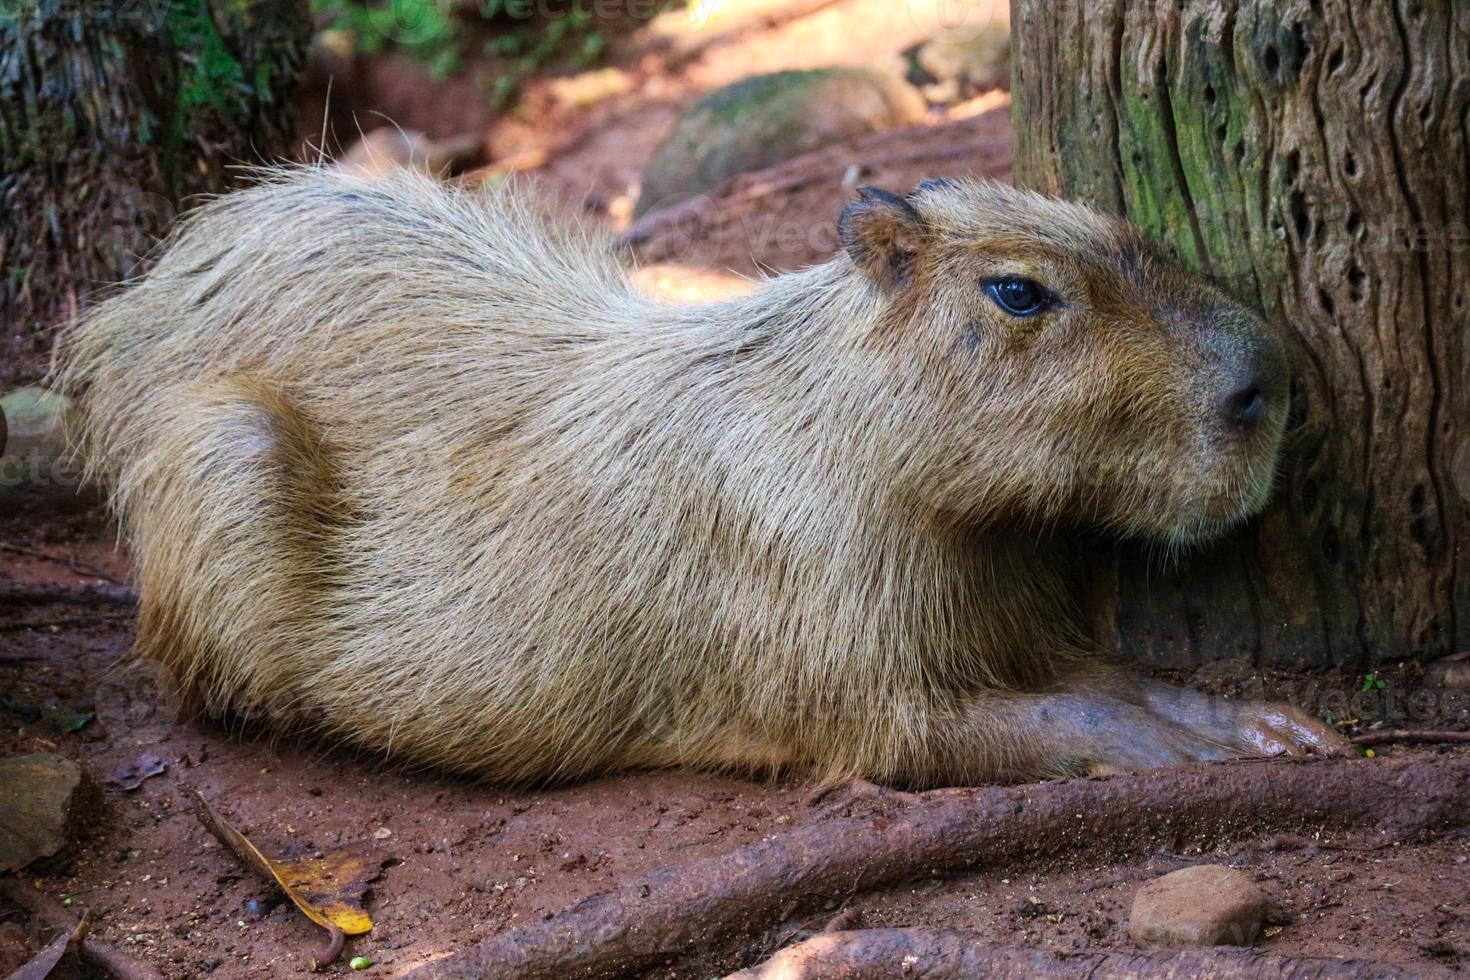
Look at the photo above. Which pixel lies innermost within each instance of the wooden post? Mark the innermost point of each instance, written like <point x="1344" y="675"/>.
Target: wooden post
<point x="1314" y="156"/>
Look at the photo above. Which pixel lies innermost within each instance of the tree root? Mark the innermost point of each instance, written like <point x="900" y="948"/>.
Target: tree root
<point x="1409" y="736"/>
<point x="932" y="953"/>
<point x="691" y="907"/>
<point x="105" y="956"/>
<point x="68" y="562"/>
<point x="92" y="595"/>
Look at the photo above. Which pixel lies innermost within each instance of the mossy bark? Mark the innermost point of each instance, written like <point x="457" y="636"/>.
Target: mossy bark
<point x="111" y="115"/>
<point x="1314" y="157"/>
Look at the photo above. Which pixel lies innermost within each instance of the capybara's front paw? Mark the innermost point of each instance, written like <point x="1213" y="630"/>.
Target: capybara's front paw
<point x="1274" y="728"/>
<point x="1252" y="727"/>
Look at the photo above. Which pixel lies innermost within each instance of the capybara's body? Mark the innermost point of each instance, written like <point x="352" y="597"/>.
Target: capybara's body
<point x="407" y="466"/>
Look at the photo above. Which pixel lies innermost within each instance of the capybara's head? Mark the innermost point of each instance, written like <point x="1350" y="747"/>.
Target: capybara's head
<point x="1070" y="371"/>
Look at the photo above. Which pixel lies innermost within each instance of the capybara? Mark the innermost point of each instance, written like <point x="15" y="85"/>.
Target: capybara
<point x="414" y="467"/>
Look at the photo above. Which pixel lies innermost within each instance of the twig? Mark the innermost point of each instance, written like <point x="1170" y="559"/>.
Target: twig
<point x="91" y="595"/>
<point x="335" y="942"/>
<point x="66" y="561"/>
<point x="884" y="953"/>
<point x="1410" y="735"/>
<point x="662" y="915"/>
<point x="104" y="956"/>
<point x="67" y="622"/>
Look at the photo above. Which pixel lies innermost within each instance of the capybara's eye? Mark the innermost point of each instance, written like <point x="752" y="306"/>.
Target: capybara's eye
<point x="1018" y="295"/>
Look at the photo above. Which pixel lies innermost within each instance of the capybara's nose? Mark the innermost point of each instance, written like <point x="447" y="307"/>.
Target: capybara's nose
<point x="1245" y="406"/>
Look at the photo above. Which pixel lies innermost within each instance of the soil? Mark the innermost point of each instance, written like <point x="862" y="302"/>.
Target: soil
<point x="473" y="860"/>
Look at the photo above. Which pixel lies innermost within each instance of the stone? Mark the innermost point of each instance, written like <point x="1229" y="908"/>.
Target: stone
<point x="34" y="458"/>
<point x="1206" y="905"/>
<point x="46" y="799"/>
<point x="764" y="119"/>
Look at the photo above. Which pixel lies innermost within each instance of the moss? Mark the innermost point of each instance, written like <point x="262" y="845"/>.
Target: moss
<point x="211" y="75"/>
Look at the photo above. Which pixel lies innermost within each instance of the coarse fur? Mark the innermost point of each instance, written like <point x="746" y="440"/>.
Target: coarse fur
<point x="415" y="467"/>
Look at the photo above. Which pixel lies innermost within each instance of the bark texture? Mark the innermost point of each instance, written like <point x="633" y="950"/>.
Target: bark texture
<point x="1312" y="156"/>
<point x="111" y="114"/>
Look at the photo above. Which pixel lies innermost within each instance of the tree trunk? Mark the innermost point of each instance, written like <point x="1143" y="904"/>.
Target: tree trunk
<point x="111" y="113"/>
<point x="1311" y="155"/>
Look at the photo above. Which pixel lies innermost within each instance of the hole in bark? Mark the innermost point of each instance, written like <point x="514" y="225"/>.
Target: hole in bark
<point x="1272" y="59"/>
<point x="1309" y="496"/>
<point x="1356" y="278"/>
<point x="1418" y="529"/>
<point x="1335" y="60"/>
<point x="1416" y="499"/>
<point x="1319" y="234"/>
<point x="1293" y="166"/>
<point x="1239" y="150"/>
<point x="1329" y="305"/>
<point x="1300" y="219"/>
<point x="1425" y="111"/>
<point x="1209" y="95"/>
<point x="1350" y="165"/>
<point x="1354" y="222"/>
<point x="1459" y="301"/>
<point x="1220" y="133"/>
<point x="1331" y="548"/>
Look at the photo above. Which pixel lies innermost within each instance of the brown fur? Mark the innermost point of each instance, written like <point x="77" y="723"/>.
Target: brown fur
<point x="413" y="467"/>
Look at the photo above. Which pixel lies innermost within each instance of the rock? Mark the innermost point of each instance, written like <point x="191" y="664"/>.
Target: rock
<point x="1206" y="905"/>
<point x="952" y="70"/>
<point x="764" y="119"/>
<point x="46" y="799"/>
<point x="388" y="148"/>
<point x="1450" y="672"/>
<point x="33" y="455"/>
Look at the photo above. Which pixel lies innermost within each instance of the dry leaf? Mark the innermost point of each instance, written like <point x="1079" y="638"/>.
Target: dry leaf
<point x="39" y="967"/>
<point x="328" y="889"/>
<point x="131" y="775"/>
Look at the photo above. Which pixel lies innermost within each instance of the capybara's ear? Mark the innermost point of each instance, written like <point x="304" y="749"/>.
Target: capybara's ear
<point x="934" y="184"/>
<point x="882" y="233"/>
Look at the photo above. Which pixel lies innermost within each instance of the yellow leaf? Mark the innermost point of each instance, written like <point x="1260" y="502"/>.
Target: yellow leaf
<point x="327" y="889"/>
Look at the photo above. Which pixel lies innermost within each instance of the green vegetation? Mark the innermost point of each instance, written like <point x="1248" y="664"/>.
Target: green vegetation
<point x="211" y="74"/>
<point x="445" y="39"/>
